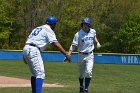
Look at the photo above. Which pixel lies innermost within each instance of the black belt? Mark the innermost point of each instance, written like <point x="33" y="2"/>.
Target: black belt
<point x="32" y="45"/>
<point x="85" y="53"/>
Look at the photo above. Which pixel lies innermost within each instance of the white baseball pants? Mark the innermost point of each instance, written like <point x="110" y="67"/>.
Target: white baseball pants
<point x="85" y="65"/>
<point x="35" y="62"/>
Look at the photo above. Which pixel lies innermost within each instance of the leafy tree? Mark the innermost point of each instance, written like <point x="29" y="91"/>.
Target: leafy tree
<point x="112" y="16"/>
<point x="19" y="17"/>
<point x="127" y="39"/>
<point x="5" y="23"/>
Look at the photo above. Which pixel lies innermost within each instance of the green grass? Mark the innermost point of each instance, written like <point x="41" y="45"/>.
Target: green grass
<point x="107" y="78"/>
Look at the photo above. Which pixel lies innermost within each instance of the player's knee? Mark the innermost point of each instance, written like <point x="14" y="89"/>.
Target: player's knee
<point x="81" y="75"/>
<point x="42" y="75"/>
<point x="88" y="75"/>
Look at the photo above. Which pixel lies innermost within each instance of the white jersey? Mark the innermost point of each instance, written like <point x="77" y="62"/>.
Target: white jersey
<point x="84" y="41"/>
<point x="41" y="37"/>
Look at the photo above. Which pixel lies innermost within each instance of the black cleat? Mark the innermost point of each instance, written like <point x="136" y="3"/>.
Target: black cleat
<point x="81" y="89"/>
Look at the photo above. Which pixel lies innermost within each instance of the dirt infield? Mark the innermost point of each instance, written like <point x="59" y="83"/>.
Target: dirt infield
<point x="17" y="82"/>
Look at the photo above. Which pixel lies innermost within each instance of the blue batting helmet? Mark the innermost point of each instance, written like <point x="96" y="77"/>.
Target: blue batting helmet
<point x="87" y="21"/>
<point x="51" y="20"/>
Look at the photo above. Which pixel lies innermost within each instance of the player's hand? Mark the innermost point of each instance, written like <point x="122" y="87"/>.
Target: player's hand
<point x="67" y="59"/>
<point x="98" y="45"/>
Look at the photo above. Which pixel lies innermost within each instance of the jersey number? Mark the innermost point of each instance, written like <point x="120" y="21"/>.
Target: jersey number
<point x="36" y="31"/>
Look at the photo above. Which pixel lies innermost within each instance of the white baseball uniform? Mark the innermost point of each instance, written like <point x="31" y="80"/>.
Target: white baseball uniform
<point x="37" y="41"/>
<point x="85" y="43"/>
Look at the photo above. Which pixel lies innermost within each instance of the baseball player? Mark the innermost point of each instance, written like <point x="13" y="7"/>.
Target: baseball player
<point x="36" y="42"/>
<point x="84" y="41"/>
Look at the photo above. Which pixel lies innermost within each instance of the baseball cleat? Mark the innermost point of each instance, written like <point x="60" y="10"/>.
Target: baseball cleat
<point x="86" y="91"/>
<point x="81" y="92"/>
<point x="81" y="89"/>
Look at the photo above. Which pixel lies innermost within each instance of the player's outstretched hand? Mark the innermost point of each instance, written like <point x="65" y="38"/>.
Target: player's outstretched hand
<point x="67" y="59"/>
<point x="98" y="45"/>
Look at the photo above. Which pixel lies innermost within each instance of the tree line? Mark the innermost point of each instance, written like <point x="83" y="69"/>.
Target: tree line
<point x="117" y="22"/>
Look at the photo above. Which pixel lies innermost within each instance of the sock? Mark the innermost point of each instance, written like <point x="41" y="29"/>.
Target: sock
<point x="81" y="81"/>
<point x="36" y="84"/>
<point x="39" y="83"/>
<point x="87" y="82"/>
<point x="33" y="85"/>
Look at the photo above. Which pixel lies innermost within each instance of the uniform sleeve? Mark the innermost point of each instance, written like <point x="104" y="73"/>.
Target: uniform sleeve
<point x="75" y="40"/>
<point x="51" y="37"/>
<point x="94" y="32"/>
